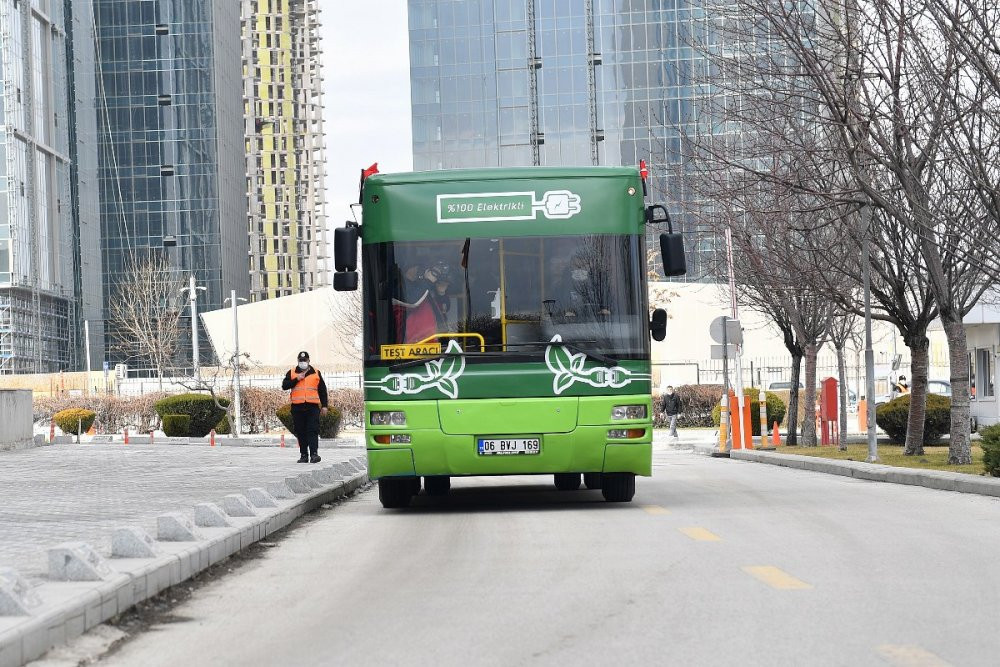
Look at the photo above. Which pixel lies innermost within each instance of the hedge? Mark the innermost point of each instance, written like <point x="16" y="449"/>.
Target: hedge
<point x="223" y="427"/>
<point x="891" y="417"/>
<point x="773" y="405"/>
<point x="697" y="401"/>
<point x="201" y="408"/>
<point x="176" y="426"/>
<point x="991" y="449"/>
<point x="74" y="419"/>
<point x="329" y="425"/>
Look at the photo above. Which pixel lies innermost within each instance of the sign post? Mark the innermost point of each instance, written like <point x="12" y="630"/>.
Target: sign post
<point x="729" y="333"/>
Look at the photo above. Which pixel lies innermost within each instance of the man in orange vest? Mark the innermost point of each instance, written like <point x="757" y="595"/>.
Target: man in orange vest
<point x="309" y="401"/>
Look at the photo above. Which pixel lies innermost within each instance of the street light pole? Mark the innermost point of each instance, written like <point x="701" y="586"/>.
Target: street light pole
<point x="192" y="289"/>
<point x="238" y="414"/>
<point x="866" y="214"/>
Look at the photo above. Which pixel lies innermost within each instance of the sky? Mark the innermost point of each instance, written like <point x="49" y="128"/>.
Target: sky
<point x="366" y="67"/>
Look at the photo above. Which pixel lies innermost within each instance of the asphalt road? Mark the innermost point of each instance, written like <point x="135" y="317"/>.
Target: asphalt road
<point x="715" y="562"/>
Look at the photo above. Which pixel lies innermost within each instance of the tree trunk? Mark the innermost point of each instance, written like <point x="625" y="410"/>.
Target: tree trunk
<point x="842" y="399"/>
<point x="793" y="399"/>
<point x="809" y="417"/>
<point x="918" y="345"/>
<point x="959" y="446"/>
<point x="159" y="375"/>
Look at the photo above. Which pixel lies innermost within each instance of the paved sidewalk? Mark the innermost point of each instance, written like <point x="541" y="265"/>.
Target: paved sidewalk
<point x="83" y="492"/>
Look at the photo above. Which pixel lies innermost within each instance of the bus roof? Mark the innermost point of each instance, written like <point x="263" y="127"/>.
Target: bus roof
<point x="487" y="203"/>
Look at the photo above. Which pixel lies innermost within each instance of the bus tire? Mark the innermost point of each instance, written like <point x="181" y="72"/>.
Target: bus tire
<point x="437" y="485"/>
<point x="567" y="481"/>
<point x="618" y="487"/>
<point x="592" y="480"/>
<point x="395" y="492"/>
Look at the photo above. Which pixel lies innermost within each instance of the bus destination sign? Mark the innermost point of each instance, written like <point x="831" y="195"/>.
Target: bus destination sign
<point x="506" y="206"/>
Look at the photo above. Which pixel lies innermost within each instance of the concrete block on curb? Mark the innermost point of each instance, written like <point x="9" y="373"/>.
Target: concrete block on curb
<point x="131" y="542"/>
<point x="175" y="527"/>
<point x="260" y="498"/>
<point x="297" y="485"/>
<point x="280" y="490"/>
<point x="77" y="561"/>
<point x="210" y="515"/>
<point x="322" y="477"/>
<point x="308" y="480"/>
<point x="17" y="598"/>
<point x="343" y="470"/>
<point x="237" y="505"/>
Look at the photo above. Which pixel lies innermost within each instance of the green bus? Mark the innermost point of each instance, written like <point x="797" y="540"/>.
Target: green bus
<point x="506" y="326"/>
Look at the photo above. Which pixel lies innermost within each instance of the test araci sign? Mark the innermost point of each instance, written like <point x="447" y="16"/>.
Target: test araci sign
<point x="500" y="206"/>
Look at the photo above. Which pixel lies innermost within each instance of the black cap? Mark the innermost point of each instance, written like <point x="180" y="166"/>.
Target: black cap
<point x="303" y="356"/>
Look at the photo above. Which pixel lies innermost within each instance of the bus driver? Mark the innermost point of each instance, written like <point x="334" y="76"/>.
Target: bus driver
<point x="421" y="304"/>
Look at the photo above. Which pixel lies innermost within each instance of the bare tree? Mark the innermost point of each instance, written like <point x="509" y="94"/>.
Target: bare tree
<point x="145" y="313"/>
<point x="345" y="313"/>
<point x="843" y="329"/>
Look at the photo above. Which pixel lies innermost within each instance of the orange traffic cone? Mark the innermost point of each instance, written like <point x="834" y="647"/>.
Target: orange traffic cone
<point x="211" y="439"/>
<point x="126" y="436"/>
<point x="775" y="436"/>
<point x="52" y="431"/>
<point x="282" y="439"/>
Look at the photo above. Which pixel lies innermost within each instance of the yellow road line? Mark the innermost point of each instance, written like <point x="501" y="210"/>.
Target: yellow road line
<point x="909" y="656"/>
<point x="655" y="509"/>
<point x="775" y="578"/>
<point x="700" y="534"/>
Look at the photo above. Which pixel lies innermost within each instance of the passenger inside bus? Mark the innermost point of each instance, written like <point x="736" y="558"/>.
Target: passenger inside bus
<point x="574" y="291"/>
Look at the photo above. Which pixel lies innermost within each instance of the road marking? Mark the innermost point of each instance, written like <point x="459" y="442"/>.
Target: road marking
<point x="655" y="509"/>
<point x="700" y="534"/>
<point x="775" y="578"/>
<point x="909" y="656"/>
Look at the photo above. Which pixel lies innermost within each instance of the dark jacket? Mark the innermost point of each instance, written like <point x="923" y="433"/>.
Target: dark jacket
<point x="290" y="381"/>
<point x="671" y="404"/>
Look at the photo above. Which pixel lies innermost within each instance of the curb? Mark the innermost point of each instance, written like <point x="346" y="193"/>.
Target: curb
<point x="68" y="609"/>
<point x="875" y="472"/>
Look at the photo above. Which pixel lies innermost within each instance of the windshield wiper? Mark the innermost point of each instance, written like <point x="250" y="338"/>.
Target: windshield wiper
<point x="597" y="356"/>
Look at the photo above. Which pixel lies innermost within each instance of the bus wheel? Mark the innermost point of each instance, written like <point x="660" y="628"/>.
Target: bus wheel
<point x="618" y="487"/>
<point x="395" y="492"/>
<point x="567" y="481"/>
<point x="437" y="485"/>
<point x="592" y="480"/>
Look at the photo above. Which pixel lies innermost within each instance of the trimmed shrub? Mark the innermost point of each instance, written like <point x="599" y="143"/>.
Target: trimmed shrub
<point x="891" y="417"/>
<point x="773" y="405"/>
<point x="223" y="427"/>
<point x="991" y="449"/>
<point x="200" y="408"/>
<point x="74" y="419"/>
<point x="697" y="401"/>
<point x="176" y="426"/>
<point x="329" y="426"/>
<point x="351" y="404"/>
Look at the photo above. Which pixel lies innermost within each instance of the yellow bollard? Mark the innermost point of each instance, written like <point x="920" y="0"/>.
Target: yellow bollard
<point x="762" y="415"/>
<point x="723" y="427"/>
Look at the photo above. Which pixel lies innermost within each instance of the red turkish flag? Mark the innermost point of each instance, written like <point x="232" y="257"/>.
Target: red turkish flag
<point x="370" y="171"/>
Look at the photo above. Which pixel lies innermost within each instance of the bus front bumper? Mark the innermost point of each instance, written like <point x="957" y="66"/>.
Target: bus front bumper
<point x="585" y="449"/>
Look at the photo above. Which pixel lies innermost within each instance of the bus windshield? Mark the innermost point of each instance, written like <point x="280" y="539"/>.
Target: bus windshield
<point x="506" y="296"/>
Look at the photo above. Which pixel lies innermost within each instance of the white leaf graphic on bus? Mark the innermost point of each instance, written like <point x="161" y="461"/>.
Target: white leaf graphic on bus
<point x="441" y="374"/>
<point x="569" y="368"/>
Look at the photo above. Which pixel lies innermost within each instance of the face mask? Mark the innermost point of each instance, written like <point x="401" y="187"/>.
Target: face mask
<point x="303" y="365"/>
<point x="580" y="274"/>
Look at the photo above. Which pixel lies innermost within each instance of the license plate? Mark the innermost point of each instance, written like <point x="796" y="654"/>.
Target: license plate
<point x="509" y="446"/>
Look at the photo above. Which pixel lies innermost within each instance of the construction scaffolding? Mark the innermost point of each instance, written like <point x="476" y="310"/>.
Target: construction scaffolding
<point x="285" y="174"/>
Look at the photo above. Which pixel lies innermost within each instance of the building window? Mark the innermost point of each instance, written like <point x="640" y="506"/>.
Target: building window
<point x="162" y="29"/>
<point x="984" y="373"/>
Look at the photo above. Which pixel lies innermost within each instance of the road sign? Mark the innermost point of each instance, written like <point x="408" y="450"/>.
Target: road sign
<point x="734" y="332"/>
<point x="717" y="351"/>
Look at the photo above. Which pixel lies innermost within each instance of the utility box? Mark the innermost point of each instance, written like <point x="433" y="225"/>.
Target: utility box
<point x="15" y="426"/>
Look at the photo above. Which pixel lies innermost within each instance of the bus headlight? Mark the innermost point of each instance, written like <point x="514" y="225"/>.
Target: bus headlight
<point x="628" y="412"/>
<point x="626" y="433"/>
<point x="385" y="418"/>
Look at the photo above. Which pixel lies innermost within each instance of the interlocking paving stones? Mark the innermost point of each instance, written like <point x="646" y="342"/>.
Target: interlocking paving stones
<point x="84" y="492"/>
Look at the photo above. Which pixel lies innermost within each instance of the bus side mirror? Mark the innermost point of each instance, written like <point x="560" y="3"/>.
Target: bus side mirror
<point x="672" y="254"/>
<point x="345" y="248"/>
<point x="658" y="325"/>
<point x="345" y="281"/>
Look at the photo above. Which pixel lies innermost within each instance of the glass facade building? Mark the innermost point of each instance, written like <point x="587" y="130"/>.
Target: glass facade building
<point x="37" y="300"/>
<point x="561" y="83"/>
<point x="170" y="128"/>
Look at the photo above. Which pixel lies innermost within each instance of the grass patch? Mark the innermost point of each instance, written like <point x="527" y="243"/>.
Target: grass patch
<point x="935" y="457"/>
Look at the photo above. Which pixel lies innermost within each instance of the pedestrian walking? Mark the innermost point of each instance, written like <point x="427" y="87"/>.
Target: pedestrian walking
<point x="671" y="408"/>
<point x="309" y="402"/>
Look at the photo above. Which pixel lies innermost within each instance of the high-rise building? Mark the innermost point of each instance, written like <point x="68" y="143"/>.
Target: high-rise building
<point x="285" y="166"/>
<point x="560" y="82"/>
<point x="171" y="160"/>
<point x="37" y="300"/>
